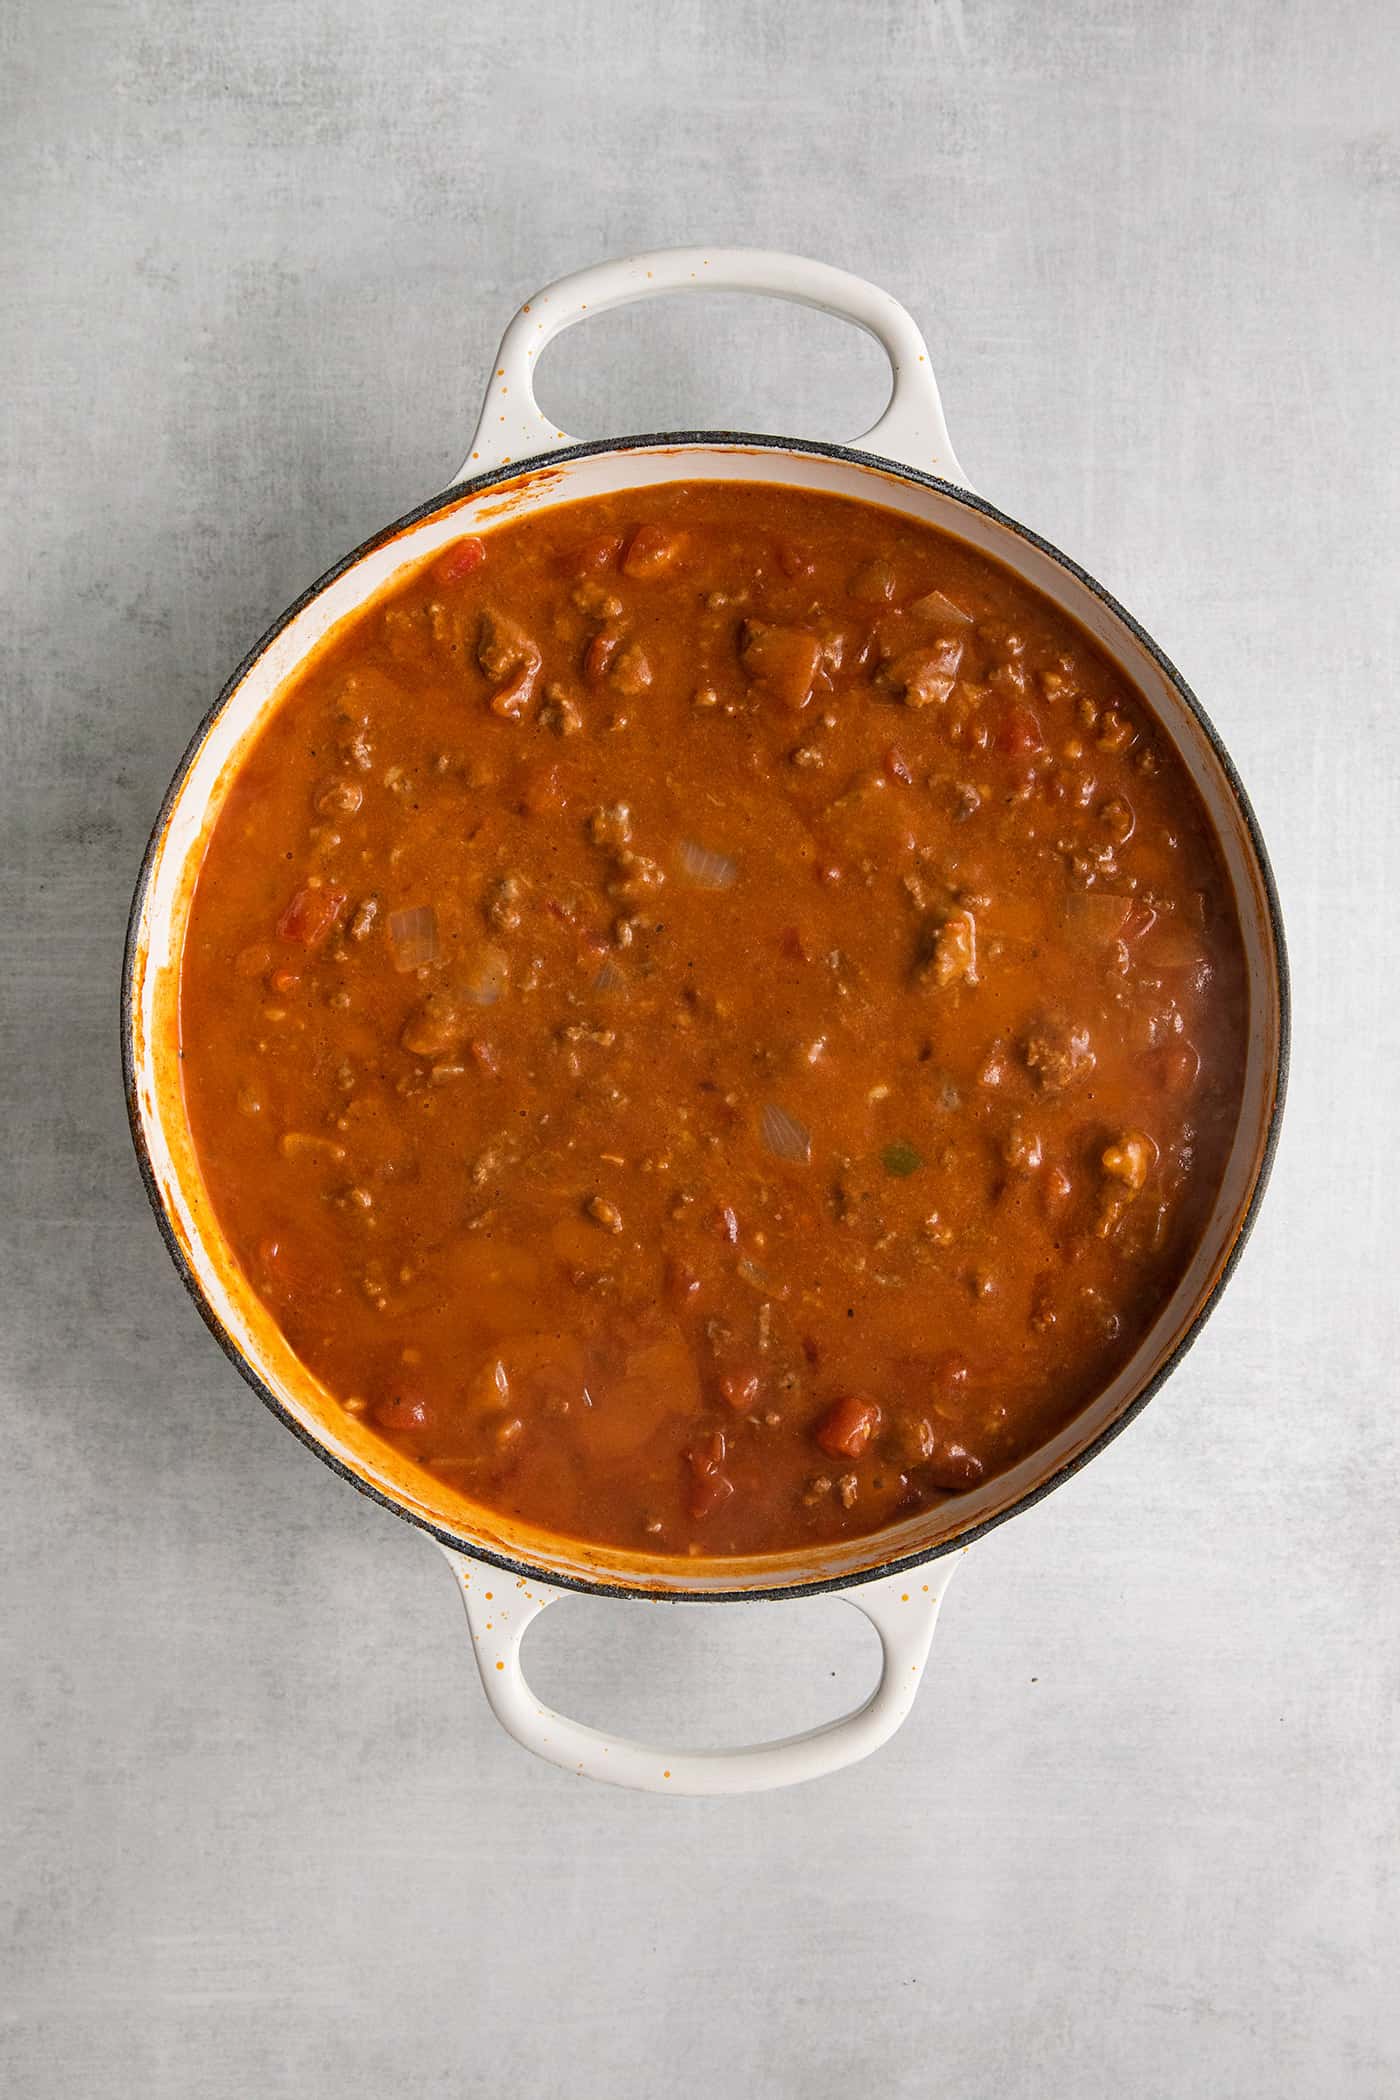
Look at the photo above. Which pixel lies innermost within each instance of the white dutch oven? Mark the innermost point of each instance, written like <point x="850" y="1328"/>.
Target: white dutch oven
<point x="519" y="464"/>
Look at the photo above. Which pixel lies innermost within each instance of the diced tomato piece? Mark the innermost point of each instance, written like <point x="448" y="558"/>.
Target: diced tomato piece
<point x="792" y="561"/>
<point x="284" y="980"/>
<point x="461" y="559"/>
<point x="829" y="873"/>
<point x="484" y="1056"/>
<point x="310" y="916"/>
<point x="651" y="551"/>
<point x="709" y="1494"/>
<point x="897" y="767"/>
<point x="740" y="1390"/>
<point x="1018" y="731"/>
<point x="727" y="1225"/>
<point x="848" y="1425"/>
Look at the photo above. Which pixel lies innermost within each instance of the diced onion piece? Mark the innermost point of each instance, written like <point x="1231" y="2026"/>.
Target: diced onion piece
<point x="1170" y="945"/>
<point x="784" y="1136"/>
<point x="413" y="936"/>
<point x="1096" y="915"/>
<point x="485" y="977"/>
<point x="939" y="610"/>
<point x="873" y="583"/>
<point x="707" y="869"/>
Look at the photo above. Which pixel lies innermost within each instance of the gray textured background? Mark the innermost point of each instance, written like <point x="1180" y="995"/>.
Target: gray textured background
<point x="259" y="1835"/>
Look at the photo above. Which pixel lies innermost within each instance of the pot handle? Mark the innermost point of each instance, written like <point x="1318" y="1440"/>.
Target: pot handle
<point x="911" y="432"/>
<point x="902" y="1609"/>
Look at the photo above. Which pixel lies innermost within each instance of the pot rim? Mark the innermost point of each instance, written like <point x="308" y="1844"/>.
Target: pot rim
<point x="851" y="455"/>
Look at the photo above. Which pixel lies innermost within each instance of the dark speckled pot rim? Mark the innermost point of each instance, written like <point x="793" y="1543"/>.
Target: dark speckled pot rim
<point x="900" y="1564"/>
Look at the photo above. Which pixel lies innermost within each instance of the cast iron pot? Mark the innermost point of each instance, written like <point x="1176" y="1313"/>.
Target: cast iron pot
<point x="518" y="465"/>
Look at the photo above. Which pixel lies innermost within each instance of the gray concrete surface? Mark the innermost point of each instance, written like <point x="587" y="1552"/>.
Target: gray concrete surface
<point x="259" y="1835"/>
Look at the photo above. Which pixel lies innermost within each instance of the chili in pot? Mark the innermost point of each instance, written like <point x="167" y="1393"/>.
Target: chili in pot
<point x="712" y="1017"/>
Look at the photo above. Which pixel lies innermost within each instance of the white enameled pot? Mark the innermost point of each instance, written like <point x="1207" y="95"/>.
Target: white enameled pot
<point x="518" y="464"/>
